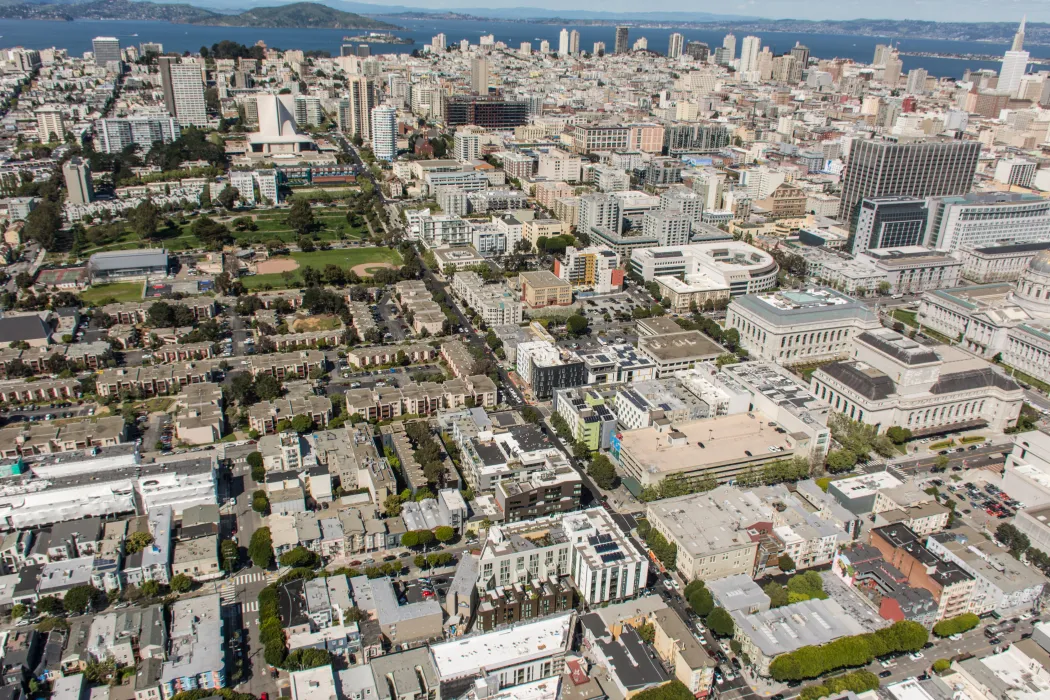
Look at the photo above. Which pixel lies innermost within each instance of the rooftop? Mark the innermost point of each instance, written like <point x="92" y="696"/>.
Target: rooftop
<point x="507" y="647"/>
<point x="807" y="623"/>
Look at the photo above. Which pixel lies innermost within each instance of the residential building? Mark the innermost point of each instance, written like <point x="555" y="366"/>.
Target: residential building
<point x="544" y="288"/>
<point x="197" y="657"/>
<point x="183" y="91"/>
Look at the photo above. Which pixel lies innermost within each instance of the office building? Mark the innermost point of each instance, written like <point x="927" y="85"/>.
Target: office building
<point x="183" y="91"/>
<point x="545" y="367"/>
<point x="913" y="169"/>
<point x="890" y="222"/>
<point x="1016" y="172"/>
<point x="106" y="49"/>
<point x="799" y="326"/>
<point x="488" y="112"/>
<point x="1015" y="64"/>
<point x="749" y="50"/>
<point x="622" y="38"/>
<point x="987" y="219"/>
<point x="734" y="265"/>
<point x="674" y="45"/>
<point x="384" y="132"/>
<point x="999" y="263"/>
<point x="77" y="176"/>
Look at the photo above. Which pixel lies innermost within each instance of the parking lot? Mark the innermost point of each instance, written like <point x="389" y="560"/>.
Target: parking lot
<point x="983" y="501"/>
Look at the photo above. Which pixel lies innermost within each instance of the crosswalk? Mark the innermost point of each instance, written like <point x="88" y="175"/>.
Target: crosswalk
<point x="247" y="578"/>
<point x="250" y="606"/>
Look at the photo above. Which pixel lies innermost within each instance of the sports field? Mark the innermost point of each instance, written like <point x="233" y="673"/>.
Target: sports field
<point x="121" y="291"/>
<point x="361" y="260"/>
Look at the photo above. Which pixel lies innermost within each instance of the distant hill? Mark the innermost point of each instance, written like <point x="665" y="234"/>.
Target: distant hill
<point x="300" y="15"/>
<point x="105" y="9"/>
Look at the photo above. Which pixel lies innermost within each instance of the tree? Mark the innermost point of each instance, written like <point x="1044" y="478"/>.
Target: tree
<point x="602" y="471"/>
<point x="303" y="424"/>
<point x="300" y="557"/>
<point x="778" y="595"/>
<point x="530" y="414"/>
<point x="647" y="632"/>
<point x="720" y="623"/>
<point x="444" y="534"/>
<point x="255" y="461"/>
<point x="425" y="537"/>
<point x="230" y="555"/>
<point x="260" y="503"/>
<point x="211" y="233"/>
<point x="150" y="588"/>
<point x="301" y="217"/>
<point x="81" y="599"/>
<point x="786" y="563"/>
<point x="181" y="583"/>
<point x="839" y="461"/>
<point x="956" y="625"/>
<point x="43" y="224"/>
<point x="898" y="434"/>
<point x="50" y="605"/>
<point x="392" y="506"/>
<point x="576" y="325"/>
<point x="228" y="197"/>
<point x="302" y="659"/>
<point x="137" y="542"/>
<point x="675" y="690"/>
<point x="701" y="601"/>
<point x="267" y="387"/>
<point x="410" y="539"/>
<point x="260" y="549"/>
<point x="144" y="219"/>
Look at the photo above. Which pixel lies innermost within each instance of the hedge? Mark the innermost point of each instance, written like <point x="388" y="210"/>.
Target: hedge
<point x="858" y="682"/>
<point x="956" y="625"/>
<point x="860" y="650"/>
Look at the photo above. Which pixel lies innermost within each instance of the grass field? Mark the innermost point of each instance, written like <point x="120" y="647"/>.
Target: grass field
<point x="318" y="260"/>
<point x="906" y="317"/>
<point x="121" y="291"/>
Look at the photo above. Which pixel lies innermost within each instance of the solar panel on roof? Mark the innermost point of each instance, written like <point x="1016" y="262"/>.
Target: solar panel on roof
<point x="607" y="547"/>
<point x="615" y="556"/>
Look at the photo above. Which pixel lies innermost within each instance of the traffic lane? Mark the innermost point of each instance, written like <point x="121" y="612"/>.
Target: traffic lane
<point x="1036" y="399"/>
<point x="968" y="460"/>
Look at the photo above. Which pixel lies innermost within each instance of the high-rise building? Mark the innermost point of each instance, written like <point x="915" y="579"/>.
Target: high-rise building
<point x="749" y="50"/>
<point x="479" y="75"/>
<point x="308" y="110"/>
<point x="384" y="132"/>
<point x="1015" y="63"/>
<point x="364" y="50"/>
<point x="801" y="55"/>
<point x="77" y="175"/>
<point x="621" y="40"/>
<point x="674" y="45"/>
<point x="698" y="51"/>
<point x="574" y="42"/>
<point x="918" y="169"/>
<point x="599" y="48"/>
<point x="917" y="81"/>
<point x="151" y="47"/>
<point x="115" y="134"/>
<point x="545" y="47"/>
<point x="890" y="222"/>
<point x="183" y="91"/>
<point x="106" y="48"/>
<point x="892" y="73"/>
<point x="525" y="49"/>
<point x="640" y="44"/>
<point x="563" y="42"/>
<point x="987" y="218"/>
<point x="487" y="112"/>
<point x="361" y="100"/>
<point x="438" y="43"/>
<point x="881" y="52"/>
<point x="729" y="44"/>
<point x="346" y="50"/>
<point x="49" y="124"/>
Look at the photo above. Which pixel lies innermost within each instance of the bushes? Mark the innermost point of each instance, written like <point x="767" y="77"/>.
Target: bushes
<point x="805" y="586"/>
<point x="810" y="661"/>
<point x="858" y="682"/>
<point x="302" y="659"/>
<point x="941" y="665"/>
<point x="956" y="625"/>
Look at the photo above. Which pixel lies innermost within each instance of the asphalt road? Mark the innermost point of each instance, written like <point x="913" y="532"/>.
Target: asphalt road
<point x="968" y="459"/>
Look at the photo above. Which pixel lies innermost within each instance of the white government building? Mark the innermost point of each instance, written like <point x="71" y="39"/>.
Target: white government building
<point x="891" y="380"/>
<point x="1011" y="321"/>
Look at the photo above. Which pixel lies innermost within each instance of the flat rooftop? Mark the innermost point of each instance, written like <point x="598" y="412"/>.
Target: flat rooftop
<point x="675" y="347"/>
<point x="741" y="437"/>
<point x="507" y="647"/>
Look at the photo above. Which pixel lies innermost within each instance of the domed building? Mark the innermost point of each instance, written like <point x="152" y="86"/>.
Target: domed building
<point x="1008" y="322"/>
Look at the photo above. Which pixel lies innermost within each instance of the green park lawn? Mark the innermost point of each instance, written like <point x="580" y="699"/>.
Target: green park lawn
<point x="319" y="259"/>
<point x="121" y="291"/>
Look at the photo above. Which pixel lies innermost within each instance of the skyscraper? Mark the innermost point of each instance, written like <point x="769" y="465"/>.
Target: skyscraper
<point x="574" y="42"/>
<point x="360" y="102"/>
<point x="916" y="81"/>
<point x="674" y="46"/>
<point x="729" y="44"/>
<point x="49" y="124"/>
<point x="892" y="74"/>
<point x="479" y="75"/>
<point x="384" y="132"/>
<point x="801" y="54"/>
<point x="599" y="48"/>
<point x="183" y="91"/>
<point x="563" y="42"/>
<point x="919" y="169"/>
<point x="106" y="49"/>
<point x="621" y="40"/>
<point x="881" y="52"/>
<point x="77" y="175"/>
<point x="1015" y="63"/>
<point x="438" y="43"/>
<point x="749" y="50"/>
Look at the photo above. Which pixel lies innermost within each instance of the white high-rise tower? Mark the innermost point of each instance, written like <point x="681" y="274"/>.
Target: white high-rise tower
<point x="563" y="42"/>
<point x="674" y="46"/>
<point x="749" y="50"/>
<point x="729" y="44"/>
<point x="1015" y="63"/>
